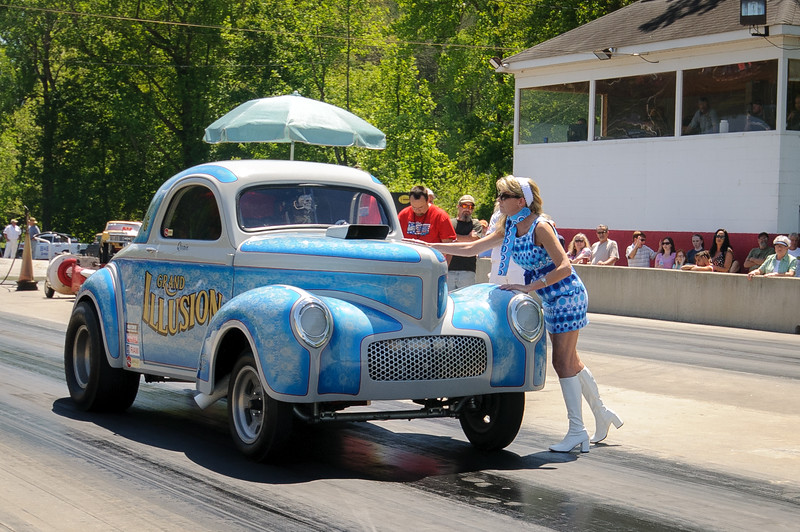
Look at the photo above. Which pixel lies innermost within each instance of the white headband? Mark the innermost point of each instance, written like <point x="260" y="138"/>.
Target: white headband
<point x="526" y="189"/>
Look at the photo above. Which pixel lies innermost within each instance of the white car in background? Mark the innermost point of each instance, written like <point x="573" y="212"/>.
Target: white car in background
<point x="47" y="245"/>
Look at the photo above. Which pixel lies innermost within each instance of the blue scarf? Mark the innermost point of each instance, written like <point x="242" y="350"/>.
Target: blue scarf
<point x="508" y="239"/>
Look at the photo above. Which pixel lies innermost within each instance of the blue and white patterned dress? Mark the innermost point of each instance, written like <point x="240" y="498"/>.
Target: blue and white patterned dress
<point x="564" y="303"/>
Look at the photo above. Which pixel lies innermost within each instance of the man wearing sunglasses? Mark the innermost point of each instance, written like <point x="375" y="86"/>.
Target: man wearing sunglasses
<point x="605" y="251"/>
<point x="461" y="271"/>
<point x="423" y="221"/>
<point x="639" y="254"/>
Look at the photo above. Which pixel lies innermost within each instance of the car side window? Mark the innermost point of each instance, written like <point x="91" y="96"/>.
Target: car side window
<point x="192" y="215"/>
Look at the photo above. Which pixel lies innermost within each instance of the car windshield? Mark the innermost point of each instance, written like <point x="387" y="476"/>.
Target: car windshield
<point x="267" y="206"/>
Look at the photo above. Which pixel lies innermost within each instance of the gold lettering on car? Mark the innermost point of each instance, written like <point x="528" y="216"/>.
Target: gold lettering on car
<point x="172" y="313"/>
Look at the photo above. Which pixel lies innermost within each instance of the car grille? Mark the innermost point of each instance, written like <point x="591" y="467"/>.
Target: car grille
<point x="425" y="358"/>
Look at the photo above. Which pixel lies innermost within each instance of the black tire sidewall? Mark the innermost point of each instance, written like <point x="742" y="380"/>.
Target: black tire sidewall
<point x="506" y="411"/>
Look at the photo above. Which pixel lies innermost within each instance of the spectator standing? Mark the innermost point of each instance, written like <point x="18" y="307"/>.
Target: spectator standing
<point x="665" y="257"/>
<point x="423" y="221"/>
<point x="605" y="251"/>
<point x="779" y="264"/>
<point x="579" y="251"/>
<point x="33" y="229"/>
<point x="794" y="250"/>
<point x="11" y="234"/>
<point x="680" y="260"/>
<point x="757" y="255"/>
<point x="721" y="252"/>
<point x="639" y="254"/>
<point x="461" y="271"/>
<point x="698" y="244"/>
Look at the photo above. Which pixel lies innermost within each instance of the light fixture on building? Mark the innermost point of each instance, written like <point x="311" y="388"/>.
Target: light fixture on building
<point x="753" y="12"/>
<point x="496" y="63"/>
<point x="605" y="53"/>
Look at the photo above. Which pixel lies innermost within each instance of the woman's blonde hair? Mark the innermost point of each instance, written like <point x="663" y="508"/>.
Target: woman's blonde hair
<point x="510" y="185"/>
<point x="573" y="249"/>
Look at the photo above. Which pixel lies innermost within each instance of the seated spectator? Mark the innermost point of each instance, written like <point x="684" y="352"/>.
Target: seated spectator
<point x="665" y="257"/>
<point x="698" y="245"/>
<point x="638" y="253"/>
<point x="794" y="250"/>
<point x="704" y="121"/>
<point x="721" y="252"/>
<point x="680" y="259"/>
<point x="579" y="252"/>
<point x="755" y="121"/>
<point x="779" y="264"/>
<point x="757" y="255"/>
<point x="604" y="251"/>
<point x="702" y="263"/>
<point x="793" y="118"/>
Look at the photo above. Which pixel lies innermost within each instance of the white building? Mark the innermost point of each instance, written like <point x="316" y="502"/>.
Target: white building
<point x="635" y="77"/>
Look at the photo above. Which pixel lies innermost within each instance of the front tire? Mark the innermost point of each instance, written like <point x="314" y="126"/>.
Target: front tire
<point x="491" y="422"/>
<point x="259" y="424"/>
<point x="93" y="384"/>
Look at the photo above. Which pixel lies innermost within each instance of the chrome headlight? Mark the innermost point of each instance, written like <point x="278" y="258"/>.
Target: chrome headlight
<point x="525" y="315"/>
<point x="312" y="321"/>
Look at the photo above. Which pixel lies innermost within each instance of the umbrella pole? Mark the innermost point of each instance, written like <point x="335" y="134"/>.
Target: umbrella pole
<point x="291" y="151"/>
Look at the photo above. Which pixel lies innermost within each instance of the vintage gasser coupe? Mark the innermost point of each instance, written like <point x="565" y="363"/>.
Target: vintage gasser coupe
<point x="286" y="287"/>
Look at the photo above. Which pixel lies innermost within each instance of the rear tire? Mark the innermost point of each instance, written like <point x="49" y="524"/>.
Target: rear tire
<point x="260" y="426"/>
<point x="93" y="384"/>
<point x="491" y="422"/>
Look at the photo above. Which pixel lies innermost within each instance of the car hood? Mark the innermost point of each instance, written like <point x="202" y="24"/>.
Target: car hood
<point x="389" y="274"/>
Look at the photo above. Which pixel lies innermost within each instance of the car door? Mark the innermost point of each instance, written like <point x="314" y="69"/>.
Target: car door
<point x="176" y="281"/>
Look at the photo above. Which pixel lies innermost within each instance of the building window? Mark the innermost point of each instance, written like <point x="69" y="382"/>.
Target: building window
<point x="793" y="94"/>
<point x="635" y="107"/>
<point x="736" y="97"/>
<point x="555" y="113"/>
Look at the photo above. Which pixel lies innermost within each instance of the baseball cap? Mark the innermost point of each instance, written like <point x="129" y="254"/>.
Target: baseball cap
<point x="782" y="240"/>
<point x="466" y="198"/>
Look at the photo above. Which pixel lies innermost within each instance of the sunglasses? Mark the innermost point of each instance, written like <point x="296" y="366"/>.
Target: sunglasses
<point x="504" y="196"/>
<point x="417" y="196"/>
<point x="666" y="244"/>
<point x="719" y="236"/>
<point x="602" y="232"/>
<point x="466" y="205"/>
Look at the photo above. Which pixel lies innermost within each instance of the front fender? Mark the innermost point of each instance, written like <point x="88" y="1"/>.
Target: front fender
<point x="483" y="307"/>
<point x="102" y="289"/>
<point x="264" y="316"/>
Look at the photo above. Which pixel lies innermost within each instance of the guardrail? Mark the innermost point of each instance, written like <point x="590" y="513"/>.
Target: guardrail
<point x="725" y="299"/>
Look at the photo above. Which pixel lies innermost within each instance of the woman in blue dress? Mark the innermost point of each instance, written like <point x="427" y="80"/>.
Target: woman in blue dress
<point x="528" y="238"/>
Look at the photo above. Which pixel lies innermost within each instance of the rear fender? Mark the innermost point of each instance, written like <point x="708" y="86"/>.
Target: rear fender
<point x="102" y="289"/>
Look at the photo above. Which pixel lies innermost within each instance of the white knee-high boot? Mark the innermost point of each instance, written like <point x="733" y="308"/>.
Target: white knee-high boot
<point x="603" y="417"/>
<point x="577" y="435"/>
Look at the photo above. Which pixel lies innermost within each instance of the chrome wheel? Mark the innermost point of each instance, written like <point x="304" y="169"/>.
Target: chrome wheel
<point x="248" y="405"/>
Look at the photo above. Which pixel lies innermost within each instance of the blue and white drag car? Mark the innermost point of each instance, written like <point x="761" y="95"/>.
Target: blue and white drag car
<point x="286" y="288"/>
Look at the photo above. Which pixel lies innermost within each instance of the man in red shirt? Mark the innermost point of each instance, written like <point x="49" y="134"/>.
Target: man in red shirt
<point x="423" y="221"/>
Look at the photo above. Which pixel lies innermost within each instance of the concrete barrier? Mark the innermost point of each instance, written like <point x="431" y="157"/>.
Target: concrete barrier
<point x="725" y="299"/>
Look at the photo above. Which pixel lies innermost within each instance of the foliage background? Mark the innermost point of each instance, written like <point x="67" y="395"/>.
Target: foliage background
<point x="102" y="100"/>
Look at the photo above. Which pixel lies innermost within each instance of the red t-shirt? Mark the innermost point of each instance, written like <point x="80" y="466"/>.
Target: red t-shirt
<point x="433" y="227"/>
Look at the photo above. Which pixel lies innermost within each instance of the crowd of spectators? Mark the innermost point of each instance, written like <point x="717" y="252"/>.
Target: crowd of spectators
<point x="778" y="256"/>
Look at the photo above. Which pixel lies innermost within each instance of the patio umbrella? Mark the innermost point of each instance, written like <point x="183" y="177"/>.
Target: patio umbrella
<point x="293" y="118"/>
